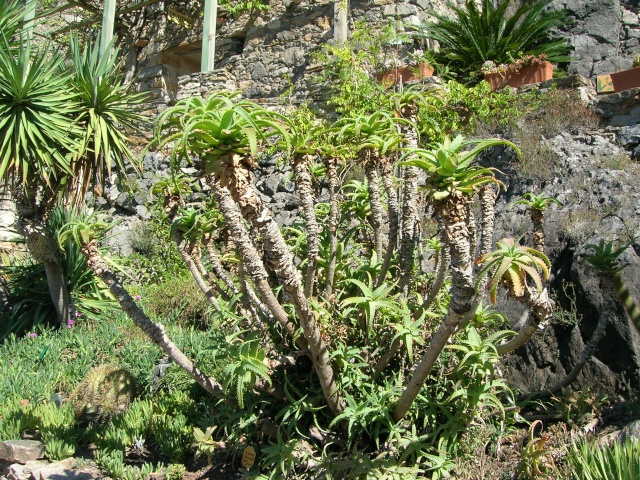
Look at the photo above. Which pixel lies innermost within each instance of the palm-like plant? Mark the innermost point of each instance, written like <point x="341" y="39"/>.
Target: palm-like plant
<point x="372" y="137"/>
<point x="511" y="264"/>
<point x="450" y="167"/>
<point x="106" y="113"/>
<point x="537" y="204"/>
<point x="452" y="181"/>
<point x="36" y="118"/>
<point x="471" y="36"/>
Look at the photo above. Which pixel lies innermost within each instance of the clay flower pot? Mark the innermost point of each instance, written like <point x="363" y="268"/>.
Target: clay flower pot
<point x="411" y="73"/>
<point x="535" y="73"/>
<point x="617" y="82"/>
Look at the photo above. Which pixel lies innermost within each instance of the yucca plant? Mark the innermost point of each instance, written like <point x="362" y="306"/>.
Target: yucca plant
<point x="106" y="113"/>
<point x="29" y="301"/>
<point x="472" y="36"/>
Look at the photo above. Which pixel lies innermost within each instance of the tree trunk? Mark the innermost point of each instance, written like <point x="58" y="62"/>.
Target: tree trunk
<point x="193" y="268"/>
<point x="488" y="195"/>
<point x="370" y="160"/>
<point x="452" y="212"/>
<point x="541" y="305"/>
<point x="386" y="172"/>
<point x="537" y="219"/>
<point x="409" y="202"/>
<point x="280" y="261"/>
<point x="307" y="197"/>
<point x="154" y="331"/>
<point x="44" y="249"/>
<point x="251" y="259"/>
<point x="627" y="300"/>
<point x="334" y="211"/>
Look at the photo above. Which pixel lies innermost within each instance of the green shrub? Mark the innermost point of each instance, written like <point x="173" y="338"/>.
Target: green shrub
<point x="173" y="436"/>
<point x="618" y="461"/>
<point x="58" y="430"/>
<point x="178" y="300"/>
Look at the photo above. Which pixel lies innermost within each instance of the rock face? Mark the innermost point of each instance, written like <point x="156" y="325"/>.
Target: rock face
<point x="600" y="193"/>
<point x="604" y="34"/>
<point x="21" y="451"/>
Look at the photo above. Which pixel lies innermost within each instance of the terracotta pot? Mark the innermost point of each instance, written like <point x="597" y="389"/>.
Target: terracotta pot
<point x="411" y="73"/>
<point x="617" y="82"/>
<point x="537" y="73"/>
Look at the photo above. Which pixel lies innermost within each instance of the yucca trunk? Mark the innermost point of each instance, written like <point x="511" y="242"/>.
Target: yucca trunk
<point x="154" y="331"/>
<point x="334" y="211"/>
<point x="537" y="219"/>
<point x="307" y="197"/>
<point x="44" y="249"/>
<point x="280" y="260"/>
<point x="386" y="173"/>
<point x="452" y="215"/>
<point x="409" y="206"/>
<point x="370" y="160"/>
<point x="541" y="306"/>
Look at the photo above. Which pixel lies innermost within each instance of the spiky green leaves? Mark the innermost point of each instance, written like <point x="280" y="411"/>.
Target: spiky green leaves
<point x="195" y="224"/>
<point x="37" y="131"/>
<point x="604" y="258"/>
<point x="219" y="126"/>
<point x="510" y="265"/>
<point x="537" y="202"/>
<point x="471" y="36"/>
<point x="106" y="111"/>
<point x="451" y="168"/>
<point x="376" y="132"/>
<point x="82" y="229"/>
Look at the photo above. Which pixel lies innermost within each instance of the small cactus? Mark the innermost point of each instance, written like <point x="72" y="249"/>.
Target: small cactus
<point x="636" y="61"/>
<point x="104" y="391"/>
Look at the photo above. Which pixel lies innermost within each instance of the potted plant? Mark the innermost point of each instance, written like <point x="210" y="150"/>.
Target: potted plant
<point x="523" y="71"/>
<point x="496" y="32"/>
<point x="418" y="65"/>
<point x="619" y="81"/>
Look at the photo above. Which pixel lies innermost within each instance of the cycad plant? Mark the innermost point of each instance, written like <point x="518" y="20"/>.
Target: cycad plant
<point x="472" y="36"/>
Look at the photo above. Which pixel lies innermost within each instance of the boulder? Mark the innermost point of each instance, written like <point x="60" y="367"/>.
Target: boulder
<point x="21" y="451"/>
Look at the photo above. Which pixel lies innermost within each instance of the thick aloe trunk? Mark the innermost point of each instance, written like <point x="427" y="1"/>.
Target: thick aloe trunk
<point x="307" y="197"/>
<point x="452" y="212"/>
<point x="488" y="196"/>
<point x="537" y="219"/>
<point x="370" y="160"/>
<point x="280" y="260"/>
<point x="409" y="205"/>
<point x="386" y="173"/>
<point x="251" y="260"/>
<point x="154" y="331"/>
<point x="541" y="306"/>
<point x="334" y="211"/>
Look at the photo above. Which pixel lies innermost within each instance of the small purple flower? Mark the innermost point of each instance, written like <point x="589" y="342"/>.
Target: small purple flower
<point x="78" y="314"/>
<point x="138" y="297"/>
<point x="70" y="323"/>
<point x="32" y="335"/>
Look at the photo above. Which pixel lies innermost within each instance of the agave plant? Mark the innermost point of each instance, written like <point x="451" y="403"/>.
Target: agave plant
<point x="471" y="36"/>
<point x="511" y="264"/>
<point x="537" y="204"/>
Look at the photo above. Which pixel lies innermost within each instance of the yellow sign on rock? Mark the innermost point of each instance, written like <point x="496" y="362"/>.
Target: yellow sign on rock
<point x="248" y="457"/>
<point x="179" y="18"/>
<point x="604" y="84"/>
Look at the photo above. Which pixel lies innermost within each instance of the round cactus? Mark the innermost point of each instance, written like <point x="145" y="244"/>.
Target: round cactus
<point x="104" y="391"/>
